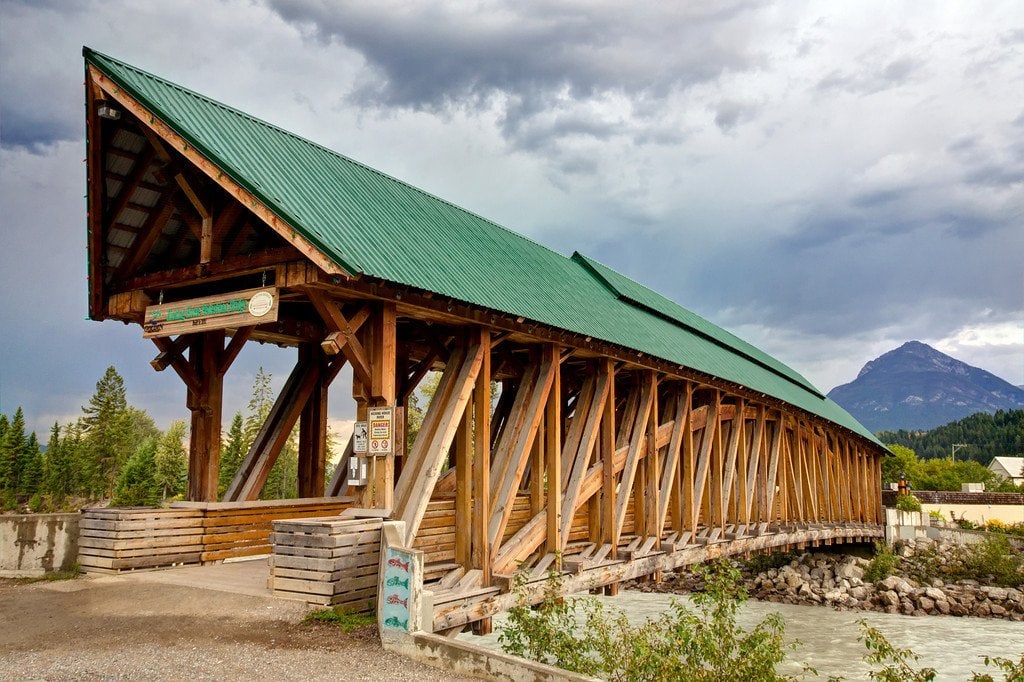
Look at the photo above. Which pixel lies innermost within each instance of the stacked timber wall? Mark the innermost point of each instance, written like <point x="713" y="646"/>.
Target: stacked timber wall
<point x="123" y="539"/>
<point x="327" y="561"/>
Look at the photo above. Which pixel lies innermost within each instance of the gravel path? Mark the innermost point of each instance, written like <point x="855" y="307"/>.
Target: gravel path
<point x="131" y="628"/>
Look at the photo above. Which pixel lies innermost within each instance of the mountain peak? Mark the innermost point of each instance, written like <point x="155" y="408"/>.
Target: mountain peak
<point x="918" y="387"/>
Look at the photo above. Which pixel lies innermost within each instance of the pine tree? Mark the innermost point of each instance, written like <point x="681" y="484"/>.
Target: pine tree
<point x="107" y="438"/>
<point x="171" y="461"/>
<point x="232" y="454"/>
<point x="260" y="402"/>
<point x="31" y="481"/>
<point x="12" y="453"/>
<point x="136" y="485"/>
<point x="73" y="450"/>
<point x="59" y="477"/>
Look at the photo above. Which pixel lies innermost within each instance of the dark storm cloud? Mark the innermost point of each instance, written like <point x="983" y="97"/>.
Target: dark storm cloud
<point x="533" y="57"/>
<point x="22" y="125"/>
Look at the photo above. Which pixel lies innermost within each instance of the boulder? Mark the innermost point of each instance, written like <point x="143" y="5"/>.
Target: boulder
<point x="849" y="570"/>
<point x="934" y="594"/>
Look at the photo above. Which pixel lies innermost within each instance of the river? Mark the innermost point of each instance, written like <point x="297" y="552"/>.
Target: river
<point x="953" y="646"/>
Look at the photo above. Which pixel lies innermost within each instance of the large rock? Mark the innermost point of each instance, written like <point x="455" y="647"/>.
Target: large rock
<point x="850" y="570"/>
<point x="934" y="594"/>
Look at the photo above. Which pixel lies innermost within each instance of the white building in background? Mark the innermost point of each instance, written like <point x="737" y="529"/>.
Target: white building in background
<point x="1008" y="467"/>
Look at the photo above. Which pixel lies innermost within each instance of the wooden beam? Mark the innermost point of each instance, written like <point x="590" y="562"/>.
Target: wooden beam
<point x="219" y="175"/>
<point x="464" y="491"/>
<point x="511" y="454"/>
<point x="383" y="345"/>
<point x="553" y="455"/>
<point x="95" y="143"/>
<point x="170" y="354"/>
<point x="347" y="340"/>
<point x="439" y="425"/>
<point x="252" y="473"/>
<point x="147" y="236"/>
<point x="588" y="418"/>
<point x="128" y="185"/>
<point x="669" y="471"/>
<point x="704" y="460"/>
<point x="312" y="463"/>
<point x="205" y="405"/>
<point x="607" y="455"/>
<point x="234" y="347"/>
<point x="636" y="445"/>
<point x="481" y="548"/>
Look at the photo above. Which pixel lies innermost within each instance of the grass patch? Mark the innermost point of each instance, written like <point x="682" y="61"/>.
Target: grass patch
<point x="345" y="620"/>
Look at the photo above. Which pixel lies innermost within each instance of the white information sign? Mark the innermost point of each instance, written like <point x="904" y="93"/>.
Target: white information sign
<point x="381" y="427"/>
<point x="360" y="441"/>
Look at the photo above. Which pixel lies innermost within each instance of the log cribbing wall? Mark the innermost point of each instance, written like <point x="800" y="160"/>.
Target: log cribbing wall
<point x="116" y="539"/>
<point x="327" y="561"/>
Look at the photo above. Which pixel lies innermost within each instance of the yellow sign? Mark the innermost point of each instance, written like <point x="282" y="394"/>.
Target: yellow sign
<point x="381" y="430"/>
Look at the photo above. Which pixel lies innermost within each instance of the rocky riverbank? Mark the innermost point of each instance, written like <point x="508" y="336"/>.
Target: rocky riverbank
<point x="838" y="581"/>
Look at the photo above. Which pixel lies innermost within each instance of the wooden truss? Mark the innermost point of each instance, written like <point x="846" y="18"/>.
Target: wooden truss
<point x="593" y="455"/>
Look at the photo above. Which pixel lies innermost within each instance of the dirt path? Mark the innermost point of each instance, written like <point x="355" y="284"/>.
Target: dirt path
<point x="138" y="628"/>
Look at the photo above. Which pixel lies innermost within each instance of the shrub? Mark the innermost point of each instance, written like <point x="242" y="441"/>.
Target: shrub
<point x="1013" y="670"/>
<point x="35" y="503"/>
<point x="882" y="564"/>
<point x="966" y="524"/>
<point x="706" y="644"/>
<point x="908" y="503"/>
<point x="936" y="515"/>
<point x="8" y="501"/>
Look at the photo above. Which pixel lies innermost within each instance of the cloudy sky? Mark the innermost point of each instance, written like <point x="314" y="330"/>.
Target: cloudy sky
<point x="826" y="179"/>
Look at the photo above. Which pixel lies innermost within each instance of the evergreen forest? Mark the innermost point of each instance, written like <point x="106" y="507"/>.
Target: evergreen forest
<point x="115" y="452"/>
<point x="978" y="438"/>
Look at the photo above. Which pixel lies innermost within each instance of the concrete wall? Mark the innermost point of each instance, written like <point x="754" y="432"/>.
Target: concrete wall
<point x="34" y="544"/>
<point x="979" y="513"/>
<point x="978" y="507"/>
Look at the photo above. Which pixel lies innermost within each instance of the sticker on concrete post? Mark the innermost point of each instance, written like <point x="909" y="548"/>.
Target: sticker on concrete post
<point x="399" y="570"/>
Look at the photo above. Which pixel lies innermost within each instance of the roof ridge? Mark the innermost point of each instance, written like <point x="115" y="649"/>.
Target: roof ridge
<point x="88" y="52"/>
<point x="733" y="344"/>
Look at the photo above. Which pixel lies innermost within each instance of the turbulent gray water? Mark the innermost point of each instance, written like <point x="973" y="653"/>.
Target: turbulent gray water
<point x="953" y="646"/>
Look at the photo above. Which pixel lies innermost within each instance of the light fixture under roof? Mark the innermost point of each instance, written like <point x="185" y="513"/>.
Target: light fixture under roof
<point x="105" y="110"/>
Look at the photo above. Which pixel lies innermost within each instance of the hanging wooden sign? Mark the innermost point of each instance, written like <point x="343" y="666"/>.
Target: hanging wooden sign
<point x="233" y="309"/>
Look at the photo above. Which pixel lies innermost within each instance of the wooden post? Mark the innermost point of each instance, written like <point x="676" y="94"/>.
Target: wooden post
<point x="463" y="490"/>
<point x="313" y="429"/>
<point x="380" y="493"/>
<point x="553" y="454"/>
<point x="481" y="551"/>
<point x="607" y="455"/>
<point x="205" y="404"/>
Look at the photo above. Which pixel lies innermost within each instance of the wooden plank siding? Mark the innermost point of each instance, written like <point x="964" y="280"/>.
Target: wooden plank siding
<point x="116" y="539"/>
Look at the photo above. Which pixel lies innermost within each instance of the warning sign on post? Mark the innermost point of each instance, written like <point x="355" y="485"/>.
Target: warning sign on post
<point x="381" y="430"/>
<point x="360" y="442"/>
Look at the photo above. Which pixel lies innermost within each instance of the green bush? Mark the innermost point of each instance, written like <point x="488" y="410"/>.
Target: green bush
<point x="35" y="503"/>
<point x="706" y="644"/>
<point x="908" y="503"/>
<point x="882" y="564"/>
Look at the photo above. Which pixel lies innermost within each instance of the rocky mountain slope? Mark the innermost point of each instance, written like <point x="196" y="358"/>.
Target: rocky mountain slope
<point x="916" y="387"/>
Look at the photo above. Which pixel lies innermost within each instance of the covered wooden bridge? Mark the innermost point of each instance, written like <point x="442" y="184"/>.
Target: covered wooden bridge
<point x="580" y="417"/>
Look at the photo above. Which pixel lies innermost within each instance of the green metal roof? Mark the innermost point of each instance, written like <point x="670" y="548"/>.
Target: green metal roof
<point x="371" y="224"/>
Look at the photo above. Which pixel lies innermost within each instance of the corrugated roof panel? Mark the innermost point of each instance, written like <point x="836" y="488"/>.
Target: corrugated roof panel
<point x="372" y="224"/>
